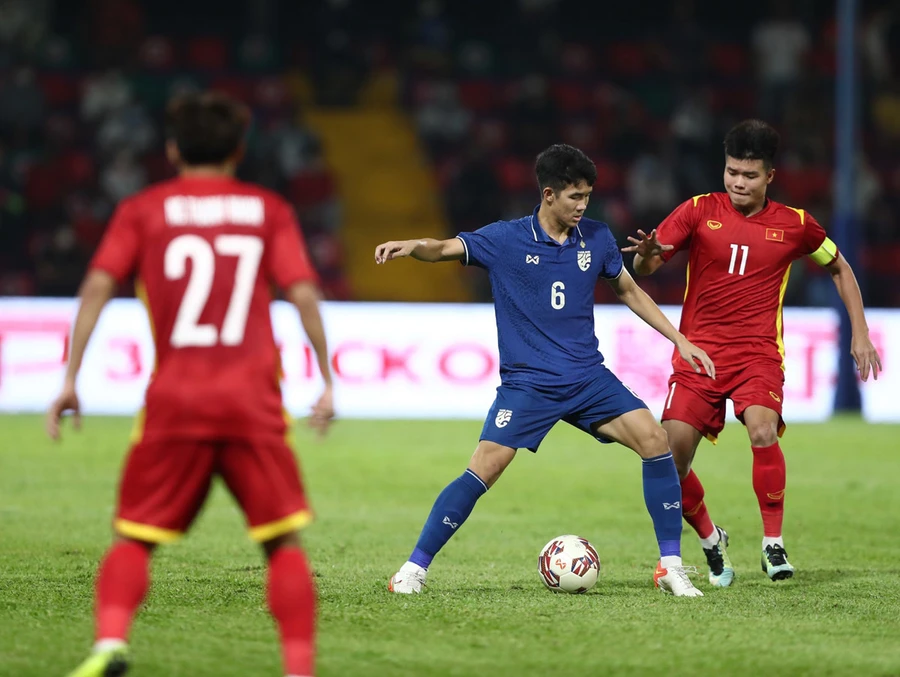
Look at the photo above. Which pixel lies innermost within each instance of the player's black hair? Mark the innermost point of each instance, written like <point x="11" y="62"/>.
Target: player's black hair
<point x="207" y="127"/>
<point x="562" y="165"/>
<point x="752" y="140"/>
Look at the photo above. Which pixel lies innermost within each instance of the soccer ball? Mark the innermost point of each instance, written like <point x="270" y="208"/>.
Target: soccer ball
<point x="569" y="564"/>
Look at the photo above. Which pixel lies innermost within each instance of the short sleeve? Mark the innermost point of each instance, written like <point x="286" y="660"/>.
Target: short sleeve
<point x="287" y="259"/>
<point x="678" y="227"/>
<point x="612" y="259"/>
<point x="813" y="234"/>
<point x="483" y="246"/>
<point x="815" y="242"/>
<point x="119" y="248"/>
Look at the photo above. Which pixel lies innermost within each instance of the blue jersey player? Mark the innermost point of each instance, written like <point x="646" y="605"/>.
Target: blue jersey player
<point x="543" y="269"/>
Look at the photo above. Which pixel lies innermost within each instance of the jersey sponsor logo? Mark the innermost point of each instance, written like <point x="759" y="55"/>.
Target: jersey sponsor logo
<point x="672" y="506"/>
<point x="584" y="259"/>
<point x="503" y="417"/>
<point x="714" y="225"/>
<point x="536" y="259"/>
<point x="774" y="234"/>
<point x="213" y="210"/>
<point x="775" y="396"/>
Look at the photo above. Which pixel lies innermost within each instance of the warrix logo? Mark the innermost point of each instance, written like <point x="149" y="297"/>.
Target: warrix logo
<point x="532" y="259"/>
<point x="450" y="523"/>
<point x="672" y="506"/>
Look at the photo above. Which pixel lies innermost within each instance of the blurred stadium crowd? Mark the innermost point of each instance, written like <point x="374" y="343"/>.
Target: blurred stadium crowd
<point x="646" y="90"/>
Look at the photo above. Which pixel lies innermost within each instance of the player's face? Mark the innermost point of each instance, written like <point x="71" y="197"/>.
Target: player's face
<point x="746" y="182"/>
<point x="568" y="206"/>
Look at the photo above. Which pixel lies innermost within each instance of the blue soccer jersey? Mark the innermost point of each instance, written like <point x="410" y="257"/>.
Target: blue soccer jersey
<point x="544" y="296"/>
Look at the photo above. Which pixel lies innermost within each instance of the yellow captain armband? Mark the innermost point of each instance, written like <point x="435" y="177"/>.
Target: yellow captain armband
<point x="826" y="254"/>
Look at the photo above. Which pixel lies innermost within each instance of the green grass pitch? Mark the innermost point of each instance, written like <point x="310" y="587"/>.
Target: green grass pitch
<point x="485" y="612"/>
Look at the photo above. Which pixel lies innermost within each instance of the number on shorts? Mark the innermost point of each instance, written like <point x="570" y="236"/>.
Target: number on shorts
<point x="671" y="395"/>
<point x="188" y="331"/>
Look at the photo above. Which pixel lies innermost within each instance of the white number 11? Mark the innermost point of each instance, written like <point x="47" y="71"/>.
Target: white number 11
<point x="745" y="250"/>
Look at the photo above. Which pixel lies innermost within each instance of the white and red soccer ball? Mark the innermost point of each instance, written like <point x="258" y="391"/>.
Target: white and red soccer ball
<point x="569" y="564"/>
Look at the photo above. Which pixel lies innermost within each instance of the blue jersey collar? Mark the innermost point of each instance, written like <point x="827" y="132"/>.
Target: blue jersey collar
<point x="541" y="236"/>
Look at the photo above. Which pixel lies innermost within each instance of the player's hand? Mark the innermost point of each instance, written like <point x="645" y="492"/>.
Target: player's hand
<point x="866" y="357"/>
<point x="394" y="250"/>
<point x="692" y="355"/>
<point x="648" y="246"/>
<point x="322" y="412"/>
<point x="67" y="401"/>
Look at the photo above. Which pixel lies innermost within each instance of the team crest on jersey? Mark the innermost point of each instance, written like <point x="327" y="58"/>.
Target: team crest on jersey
<point x="503" y="417"/>
<point x="584" y="259"/>
<point x="714" y="225"/>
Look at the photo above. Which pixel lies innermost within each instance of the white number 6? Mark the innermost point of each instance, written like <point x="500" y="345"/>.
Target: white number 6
<point x="557" y="298"/>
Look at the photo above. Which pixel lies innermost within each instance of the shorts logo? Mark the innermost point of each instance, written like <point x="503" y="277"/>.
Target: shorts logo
<point x="714" y="225"/>
<point x="672" y="506"/>
<point x="774" y="396"/>
<point x="503" y="417"/>
<point x="584" y="259"/>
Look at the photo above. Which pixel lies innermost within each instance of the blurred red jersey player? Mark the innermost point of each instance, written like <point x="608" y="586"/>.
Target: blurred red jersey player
<point x="205" y="250"/>
<point x="741" y="247"/>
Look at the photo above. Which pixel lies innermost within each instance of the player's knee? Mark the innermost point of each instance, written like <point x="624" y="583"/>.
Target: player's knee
<point x="682" y="463"/>
<point x="490" y="460"/>
<point x="290" y="539"/>
<point x="654" y="443"/>
<point x="763" y="434"/>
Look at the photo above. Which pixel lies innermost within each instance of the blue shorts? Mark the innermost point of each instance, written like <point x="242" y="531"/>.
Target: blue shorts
<point x="522" y="414"/>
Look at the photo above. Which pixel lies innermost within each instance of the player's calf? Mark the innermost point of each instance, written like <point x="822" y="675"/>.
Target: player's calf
<point x="450" y="510"/>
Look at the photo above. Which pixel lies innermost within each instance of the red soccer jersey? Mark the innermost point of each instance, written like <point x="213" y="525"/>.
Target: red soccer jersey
<point x="206" y="252"/>
<point x="737" y="274"/>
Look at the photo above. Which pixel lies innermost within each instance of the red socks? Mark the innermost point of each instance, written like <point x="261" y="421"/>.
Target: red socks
<point x="122" y="584"/>
<point x="693" y="508"/>
<point x="292" y="601"/>
<point x="124" y="578"/>
<point x="768" y="483"/>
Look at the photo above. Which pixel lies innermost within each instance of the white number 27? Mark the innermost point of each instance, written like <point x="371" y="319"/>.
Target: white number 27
<point x="187" y="330"/>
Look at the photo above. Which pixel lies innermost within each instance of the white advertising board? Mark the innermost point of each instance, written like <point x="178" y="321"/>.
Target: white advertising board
<point x="406" y="360"/>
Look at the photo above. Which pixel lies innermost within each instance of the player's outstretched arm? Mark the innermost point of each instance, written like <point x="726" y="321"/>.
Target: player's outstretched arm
<point x="645" y="308"/>
<point x="96" y="290"/>
<point x="647" y="252"/>
<point x="861" y="346"/>
<point x="305" y="298"/>
<point x="426" y="249"/>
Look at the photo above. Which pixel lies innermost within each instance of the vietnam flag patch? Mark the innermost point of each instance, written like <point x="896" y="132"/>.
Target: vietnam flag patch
<point x="774" y="234"/>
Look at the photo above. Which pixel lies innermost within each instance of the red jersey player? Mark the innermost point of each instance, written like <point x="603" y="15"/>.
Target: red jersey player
<point x="741" y="248"/>
<point x="206" y="250"/>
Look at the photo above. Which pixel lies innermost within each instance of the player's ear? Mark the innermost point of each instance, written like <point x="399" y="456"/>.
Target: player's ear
<point x="238" y="156"/>
<point x="172" y="153"/>
<point x="549" y="194"/>
<point x="770" y="175"/>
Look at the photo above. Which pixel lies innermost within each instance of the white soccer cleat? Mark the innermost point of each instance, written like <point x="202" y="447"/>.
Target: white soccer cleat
<point x="675" y="581"/>
<point x="409" y="580"/>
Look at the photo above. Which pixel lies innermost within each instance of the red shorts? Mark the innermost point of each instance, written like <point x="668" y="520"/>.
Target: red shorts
<point x="165" y="483"/>
<point x="699" y="400"/>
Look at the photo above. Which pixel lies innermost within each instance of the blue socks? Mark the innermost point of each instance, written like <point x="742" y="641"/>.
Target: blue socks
<point x="662" y="494"/>
<point x="452" y="507"/>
